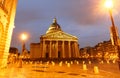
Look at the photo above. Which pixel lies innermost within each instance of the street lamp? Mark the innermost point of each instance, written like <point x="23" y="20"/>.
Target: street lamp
<point x="109" y="6"/>
<point x="23" y="37"/>
<point x="113" y="29"/>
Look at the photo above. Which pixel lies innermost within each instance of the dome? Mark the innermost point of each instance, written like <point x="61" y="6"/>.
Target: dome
<point x="54" y="27"/>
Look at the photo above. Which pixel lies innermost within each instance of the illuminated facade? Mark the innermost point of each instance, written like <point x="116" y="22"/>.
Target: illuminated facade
<point x="104" y="50"/>
<point x="55" y="44"/>
<point x="7" y="16"/>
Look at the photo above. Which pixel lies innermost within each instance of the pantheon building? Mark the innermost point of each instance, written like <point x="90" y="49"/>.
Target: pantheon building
<point x="55" y="44"/>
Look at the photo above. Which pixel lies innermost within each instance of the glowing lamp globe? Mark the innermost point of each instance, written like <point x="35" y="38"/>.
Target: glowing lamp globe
<point x="23" y="36"/>
<point x="109" y="4"/>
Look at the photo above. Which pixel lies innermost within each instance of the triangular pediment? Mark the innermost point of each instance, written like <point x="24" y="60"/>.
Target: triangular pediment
<point x="59" y="35"/>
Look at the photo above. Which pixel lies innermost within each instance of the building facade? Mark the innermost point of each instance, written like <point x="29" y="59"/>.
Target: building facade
<point x="104" y="50"/>
<point x="7" y="16"/>
<point x="55" y="44"/>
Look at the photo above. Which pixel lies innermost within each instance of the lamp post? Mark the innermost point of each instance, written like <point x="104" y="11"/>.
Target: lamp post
<point x="23" y="37"/>
<point x="113" y="29"/>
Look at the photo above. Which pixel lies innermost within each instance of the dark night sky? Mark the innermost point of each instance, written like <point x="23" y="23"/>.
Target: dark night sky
<point x="86" y="19"/>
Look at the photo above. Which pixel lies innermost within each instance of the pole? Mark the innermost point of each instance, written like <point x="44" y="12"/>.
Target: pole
<point x="115" y="36"/>
<point x="23" y="47"/>
<point x="111" y="17"/>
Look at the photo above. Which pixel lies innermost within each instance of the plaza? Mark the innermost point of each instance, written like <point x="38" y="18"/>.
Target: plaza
<point x="66" y="69"/>
<point x="58" y="54"/>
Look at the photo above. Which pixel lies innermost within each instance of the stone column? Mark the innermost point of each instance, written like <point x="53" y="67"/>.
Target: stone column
<point x="50" y="50"/>
<point x="56" y="49"/>
<point x="69" y="49"/>
<point x="76" y="49"/>
<point x="44" y="49"/>
<point x="63" y="50"/>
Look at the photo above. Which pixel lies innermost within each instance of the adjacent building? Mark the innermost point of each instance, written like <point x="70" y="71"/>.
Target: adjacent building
<point x="55" y="44"/>
<point x="104" y="50"/>
<point x="7" y="16"/>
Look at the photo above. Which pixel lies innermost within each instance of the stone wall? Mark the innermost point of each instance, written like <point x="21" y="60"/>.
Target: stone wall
<point x="7" y="14"/>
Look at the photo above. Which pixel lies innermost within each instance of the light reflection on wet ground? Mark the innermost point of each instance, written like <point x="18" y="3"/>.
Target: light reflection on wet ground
<point x="47" y="70"/>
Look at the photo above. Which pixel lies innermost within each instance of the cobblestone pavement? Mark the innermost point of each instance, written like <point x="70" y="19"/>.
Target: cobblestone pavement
<point x="52" y="70"/>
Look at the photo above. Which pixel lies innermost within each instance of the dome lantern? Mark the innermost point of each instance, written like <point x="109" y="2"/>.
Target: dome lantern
<point x="54" y="27"/>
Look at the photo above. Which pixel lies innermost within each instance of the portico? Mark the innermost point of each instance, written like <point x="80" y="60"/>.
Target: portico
<point x="59" y="49"/>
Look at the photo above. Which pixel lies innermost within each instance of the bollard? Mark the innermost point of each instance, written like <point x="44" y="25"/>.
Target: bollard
<point x="108" y="62"/>
<point x="96" y="70"/>
<point x="27" y="62"/>
<point x="71" y="62"/>
<point x="89" y="62"/>
<point x="47" y="63"/>
<point x="60" y="64"/>
<point x="84" y="67"/>
<point x="77" y="62"/>
<point x="31" y="62"/>
<point x="101" y="62"/>
<point x="83" y="62"/>
<point x="113" y="61"/>
<point x="68" y="64"/>
<point x="53" y="64"/>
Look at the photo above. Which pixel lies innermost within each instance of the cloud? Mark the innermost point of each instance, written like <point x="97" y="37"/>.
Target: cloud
<point x="86" y="13"/>
<point x="83" y="12"/>
<point x="27" y="16"/>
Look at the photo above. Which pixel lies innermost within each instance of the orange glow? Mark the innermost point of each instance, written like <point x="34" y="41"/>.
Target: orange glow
<point x="109" y="4"/>
<point x="102" y="7"/>
<point x="23" y="36"/>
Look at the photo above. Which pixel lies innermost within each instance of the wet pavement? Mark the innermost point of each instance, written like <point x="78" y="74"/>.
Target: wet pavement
<point x="59" y="70"/>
